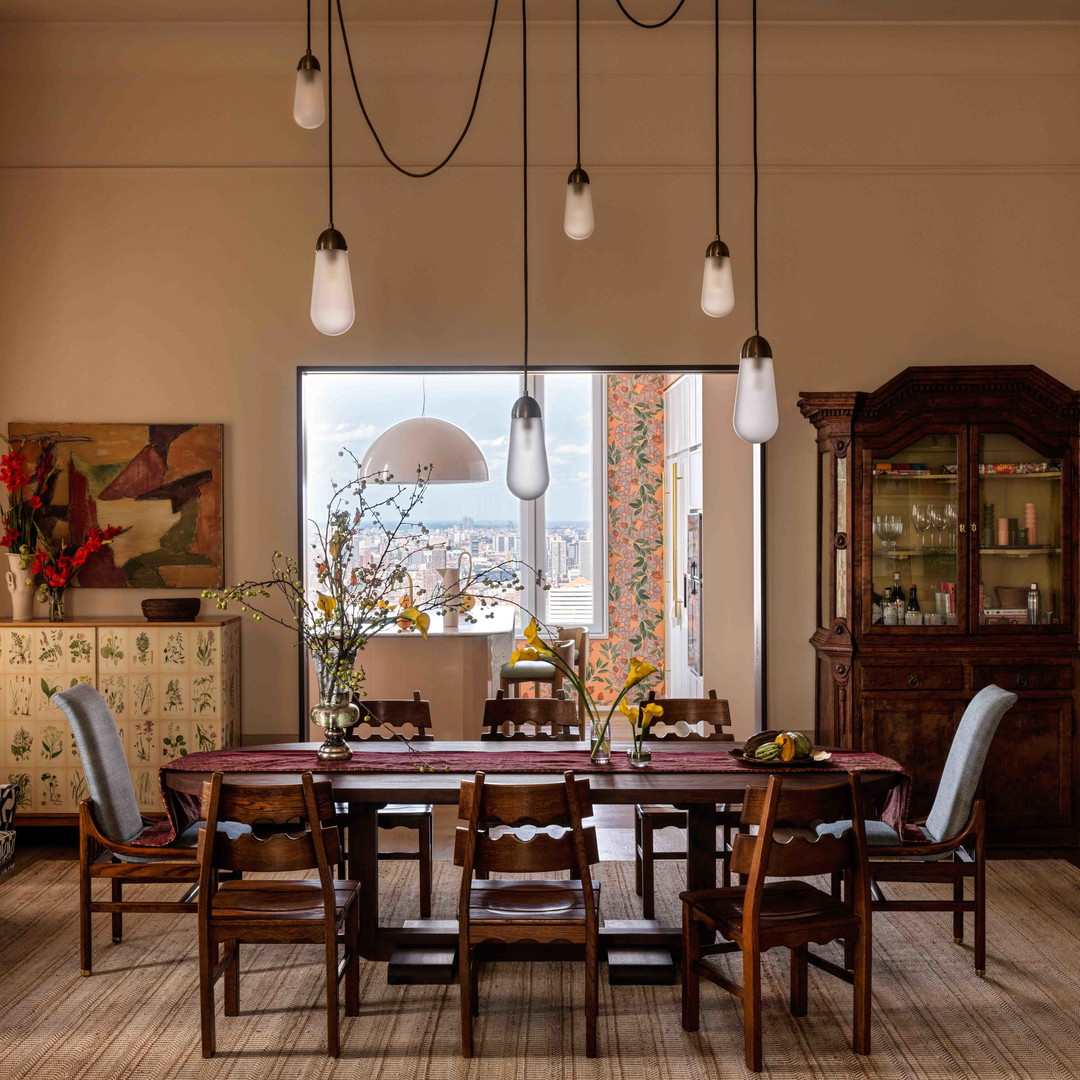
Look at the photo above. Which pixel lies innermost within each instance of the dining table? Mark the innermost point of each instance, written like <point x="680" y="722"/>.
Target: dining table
<point x="692" y="776"/>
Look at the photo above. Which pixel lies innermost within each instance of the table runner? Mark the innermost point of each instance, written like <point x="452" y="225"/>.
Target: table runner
<point x="182" y="809"/>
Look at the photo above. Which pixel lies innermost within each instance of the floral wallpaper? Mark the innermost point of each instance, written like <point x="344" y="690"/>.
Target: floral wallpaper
<point x="635" y="406"/>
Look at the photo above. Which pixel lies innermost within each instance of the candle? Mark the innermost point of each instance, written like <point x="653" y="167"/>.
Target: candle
<point x="1003" y="532"/>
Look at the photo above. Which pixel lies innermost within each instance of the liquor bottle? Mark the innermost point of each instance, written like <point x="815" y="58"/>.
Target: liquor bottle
<point x="898" y="599"/>
<point x="913" y="601"/>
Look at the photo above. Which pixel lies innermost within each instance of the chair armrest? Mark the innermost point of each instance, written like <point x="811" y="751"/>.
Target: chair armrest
<point x="90" y="828"/>
<point x="7" y="813"/>
<point x="973" y="827"/>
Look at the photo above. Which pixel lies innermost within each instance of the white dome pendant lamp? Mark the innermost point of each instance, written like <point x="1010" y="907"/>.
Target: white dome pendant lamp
<point x="333" y="309"/>
<point x="756" y="418"/>
<point x="578" y="221"/>
<point x="526" y="462"/>
<point x="717" y="287"/>
<point x="403" y="452"/>
<point x="309" y="108"/>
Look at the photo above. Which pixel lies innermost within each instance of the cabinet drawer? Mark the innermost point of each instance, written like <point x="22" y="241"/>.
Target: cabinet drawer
<point x="1023" y="676"/>
<point x="914" y="677"/>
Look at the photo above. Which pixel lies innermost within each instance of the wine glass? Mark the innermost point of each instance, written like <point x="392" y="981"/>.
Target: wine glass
<point x="920" y="518"/>
<point x="889" y="527"/>
<point x="938" y="523"/>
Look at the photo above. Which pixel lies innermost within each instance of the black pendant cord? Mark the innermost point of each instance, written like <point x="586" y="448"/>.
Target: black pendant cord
<point x="577" y="75"/>
<point x="468" y="123"/>
<point x="309" y="27"/>
<point x="753" y="98"/>
<point x="716" y="113"/>
<point x="651" y="26"/>
<point x="525" y="189"/>
<point x="330" y="106"/>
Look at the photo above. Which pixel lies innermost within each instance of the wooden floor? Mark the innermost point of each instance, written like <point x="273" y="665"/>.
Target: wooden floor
<point x="615" y="828"/>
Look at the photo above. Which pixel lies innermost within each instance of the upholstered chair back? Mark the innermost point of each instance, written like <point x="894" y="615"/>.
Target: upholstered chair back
<point x="116" y="809"/>
<point x="964" y="765"/>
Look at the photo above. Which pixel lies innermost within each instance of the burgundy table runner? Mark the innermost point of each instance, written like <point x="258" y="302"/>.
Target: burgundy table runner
<point x="182" y="809"/>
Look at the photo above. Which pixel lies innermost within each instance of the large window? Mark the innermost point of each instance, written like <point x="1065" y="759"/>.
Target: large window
<point x="564" y="533"/>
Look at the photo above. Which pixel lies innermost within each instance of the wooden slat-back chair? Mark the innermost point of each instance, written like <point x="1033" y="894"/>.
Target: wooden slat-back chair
<point x="513" y="719"/>
<point x="392" y="718"/>
<point x="541" y="911"/>
<point x="538" y="672"/>
<point x="765" y="914"/>
<point x="713" y="715"/>
<point x="578" y="636"/>
<point x="293" y="828"/>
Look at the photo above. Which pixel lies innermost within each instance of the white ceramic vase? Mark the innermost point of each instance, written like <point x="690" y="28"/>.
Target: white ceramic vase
<point x="21" y="590"/>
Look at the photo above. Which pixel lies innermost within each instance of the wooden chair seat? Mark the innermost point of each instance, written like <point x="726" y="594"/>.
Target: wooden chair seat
<point x="296" y="900"/>
<point x="510" y="904"/>
<point x="781" y="902"/>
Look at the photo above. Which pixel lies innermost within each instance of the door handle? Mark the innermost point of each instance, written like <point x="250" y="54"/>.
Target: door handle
<point x="675" y="478"/>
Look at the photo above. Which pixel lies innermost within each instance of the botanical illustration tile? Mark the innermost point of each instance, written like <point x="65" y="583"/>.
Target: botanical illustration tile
<point x="52" y="743"/>
<point x="19" y="648"/>
<point x="49" y="643"/>
<point x="147" y="793"/>
<point x="112" y="650"/>
<point x="207" y="736"/>
<point x="144" y="695"/>
<point x="26" y="787"/>
<point x="174" y="649"/>
<point x="204" y="695"/>
<point x="142" y="742"/>
<point x="204" y="647"/>
<point x="143" y="655"/>
<point x="48" y="685"/>
<point x="52" y="790"/>
<point x="18" y="696"/>
<point x="175" y="739"/>
<point x="114" y="690"/>
<point x="79" y="650"/>
<point x="230" y="648"/>
<point x="175" y="693"/>
<point x="19" y="740"/>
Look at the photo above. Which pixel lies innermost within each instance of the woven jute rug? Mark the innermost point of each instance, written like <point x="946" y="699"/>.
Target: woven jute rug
<point x="138" y="1016"/>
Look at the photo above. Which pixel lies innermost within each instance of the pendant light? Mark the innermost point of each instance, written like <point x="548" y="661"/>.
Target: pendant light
<point x="578" y="221"/>
<point x="309" y="109"/>
<point x="755" y="418"/>
<point x="332" y="306"/>
<point x="454" y="457"/>
<point x="526" y="462"/>
<point x="717" y="288"/>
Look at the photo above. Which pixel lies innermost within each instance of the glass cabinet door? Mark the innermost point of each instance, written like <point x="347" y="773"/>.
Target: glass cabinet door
<point x="915" y="511"/>
<point x="1019" y="527"/>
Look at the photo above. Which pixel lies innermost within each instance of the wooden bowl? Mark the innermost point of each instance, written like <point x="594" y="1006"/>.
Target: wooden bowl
<point x="171" y="608"/>
<point x="1012" y="596"/>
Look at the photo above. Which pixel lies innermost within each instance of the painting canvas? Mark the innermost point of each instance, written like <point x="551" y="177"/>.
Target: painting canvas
<point x="162" y="481"/>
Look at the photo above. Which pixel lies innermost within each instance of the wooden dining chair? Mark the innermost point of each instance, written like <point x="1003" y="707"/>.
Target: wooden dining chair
<point x="763" y="915"/>
<point x="292" y="828"/>
<point x="110" y="827"/>
<point x="513" y="719"/>
<point x="952" y="845"/>
<point x="397" y="718"/>
<point x="542" y="911"/>
<point x="538" y="672"/>
<point x="681" y="719"/>
<point x="579" y="637"/>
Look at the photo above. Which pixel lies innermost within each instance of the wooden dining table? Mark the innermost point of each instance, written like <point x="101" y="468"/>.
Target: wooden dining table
<point x="637" y="951"/>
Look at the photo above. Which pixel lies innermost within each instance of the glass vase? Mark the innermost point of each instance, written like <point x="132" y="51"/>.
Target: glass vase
<point x="54" y="597"/>
<point x="638" y="756"/>
<point x="599" y="742"/>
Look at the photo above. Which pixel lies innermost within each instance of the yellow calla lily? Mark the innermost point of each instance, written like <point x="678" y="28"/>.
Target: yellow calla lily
<point x="630" y="714"/>
<point x="532" y="636"/>
<point x="326" y="605"/>
<point x="639" y="670"/>
<point x="420" y="619"/>
<point x="523" y="654"/>
<point x="649" y="713"/>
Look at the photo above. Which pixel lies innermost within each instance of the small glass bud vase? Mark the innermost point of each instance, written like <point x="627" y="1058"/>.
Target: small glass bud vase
<point x="638" y="756"/>
<point x="54" y="597"/>
<point x="599" y="743"/>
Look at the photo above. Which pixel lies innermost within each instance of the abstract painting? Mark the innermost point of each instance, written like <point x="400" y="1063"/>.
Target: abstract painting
<point x="160" y="481"/>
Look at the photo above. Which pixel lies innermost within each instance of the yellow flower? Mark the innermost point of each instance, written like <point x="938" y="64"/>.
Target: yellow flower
<point x="639" y="671"/>
<point x="532" y="636"/>
<point x="421" y="619"/>
<point x="384" y="604"/>
<point x="523" y="654"/>
<point x="326" y="605"/>
<point x="630" y="714"/>
<point x="651" y="711"/>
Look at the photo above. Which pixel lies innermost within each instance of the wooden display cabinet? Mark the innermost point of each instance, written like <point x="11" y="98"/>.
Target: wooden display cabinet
<point x="961" y="482"/>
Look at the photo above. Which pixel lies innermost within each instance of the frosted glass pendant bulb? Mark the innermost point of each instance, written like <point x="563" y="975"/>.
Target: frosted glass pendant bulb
<point x="578" y="221"/>
<point x="309" y="108"/>
<point x="755" y="418"/>
<point x="526" y="463"/>
<point x="332" y="306"/>
<point x="717" y="288"/>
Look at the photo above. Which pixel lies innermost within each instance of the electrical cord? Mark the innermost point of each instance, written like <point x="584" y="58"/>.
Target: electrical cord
<point x="651" y="26"/>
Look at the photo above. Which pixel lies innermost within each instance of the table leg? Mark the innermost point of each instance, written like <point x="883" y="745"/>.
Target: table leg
<point x="364" y="867"/>
<point x="701" y="853"/>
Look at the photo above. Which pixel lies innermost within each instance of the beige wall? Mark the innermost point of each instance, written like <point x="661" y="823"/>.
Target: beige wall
<point x="158" y="210"/>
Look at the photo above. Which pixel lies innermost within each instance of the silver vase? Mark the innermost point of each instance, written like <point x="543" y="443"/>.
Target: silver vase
<point x="334" y="716"/>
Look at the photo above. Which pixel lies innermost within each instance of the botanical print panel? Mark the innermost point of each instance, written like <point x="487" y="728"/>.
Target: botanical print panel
<point x="161" y="481"/>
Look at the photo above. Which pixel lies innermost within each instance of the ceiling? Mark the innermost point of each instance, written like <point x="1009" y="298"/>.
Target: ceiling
<point x="539" y="10"/>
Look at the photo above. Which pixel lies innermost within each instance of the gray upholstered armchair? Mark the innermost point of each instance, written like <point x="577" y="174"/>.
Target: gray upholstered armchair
<point x="9" y="801"/>
<point x="953" y="843"/>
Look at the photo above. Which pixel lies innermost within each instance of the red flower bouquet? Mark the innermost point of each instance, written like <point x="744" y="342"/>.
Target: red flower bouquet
<point x="56" y="569"/>
<point x="28" y="490"/>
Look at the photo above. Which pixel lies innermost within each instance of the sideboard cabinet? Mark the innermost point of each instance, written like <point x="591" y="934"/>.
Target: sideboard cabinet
<point x="953" y="488"/>
<point x="173" y="688"/>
